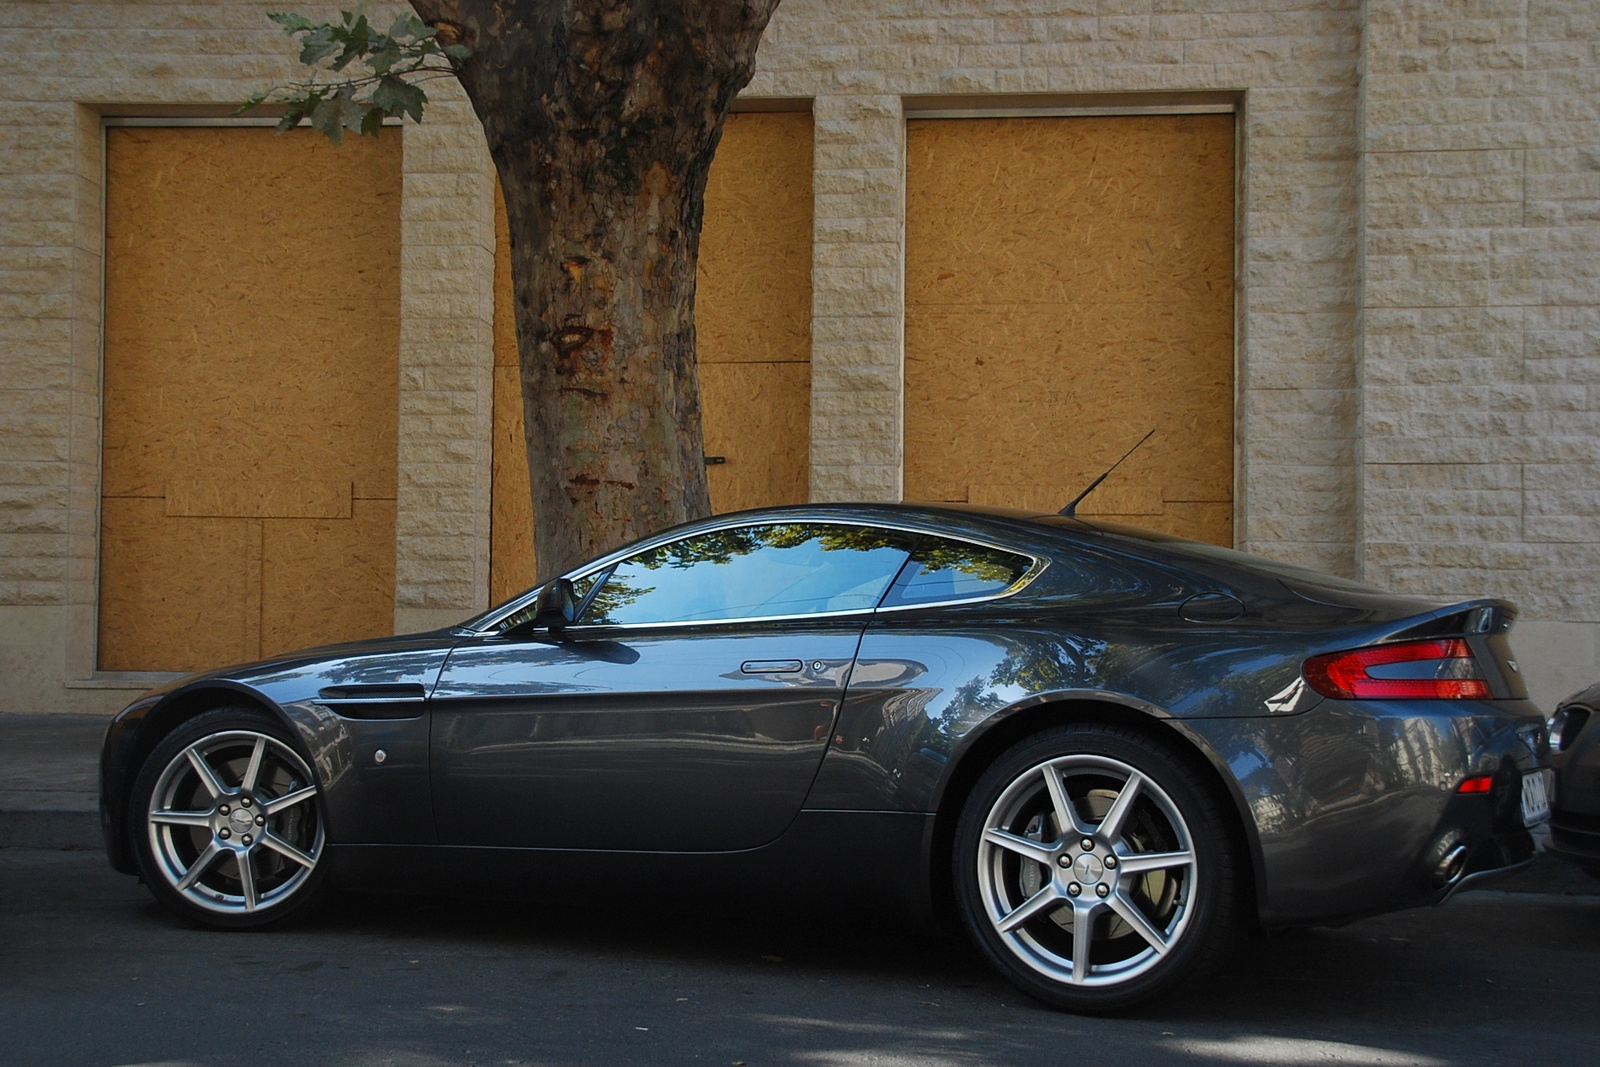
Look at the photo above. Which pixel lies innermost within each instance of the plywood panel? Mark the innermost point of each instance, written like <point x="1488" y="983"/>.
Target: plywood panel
<point x="513" y="566"/>
<point x="350" y="562"/>
<point x="251" y="357"/>
<point x="215" y="495"/>
<point x="1068" y="288"/>
<point x="179" y="594"/>
<point x="753" y="326"/>
<point x="757" y="418"/>
<point x="753" y="288"/>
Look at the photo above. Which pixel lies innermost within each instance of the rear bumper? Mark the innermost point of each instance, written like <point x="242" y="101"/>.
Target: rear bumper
<point x="1355" y="804"/>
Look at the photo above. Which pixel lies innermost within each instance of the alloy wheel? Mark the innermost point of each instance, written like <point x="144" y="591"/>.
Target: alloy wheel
<point x="1086" y="870"/>
<point x="233" y="823"/>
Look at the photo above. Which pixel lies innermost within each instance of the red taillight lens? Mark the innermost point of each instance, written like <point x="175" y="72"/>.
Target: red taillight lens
<point x="1481" y="784"/>
<point x="1407" y="670"/>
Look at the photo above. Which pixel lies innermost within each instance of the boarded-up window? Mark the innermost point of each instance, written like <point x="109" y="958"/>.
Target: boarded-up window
<point x="250" y="395"/>
<point x="753" y="327"/>
<point x="1069" y="287"/>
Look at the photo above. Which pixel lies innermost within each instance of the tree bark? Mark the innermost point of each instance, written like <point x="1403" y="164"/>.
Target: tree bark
<point x="602" y="117"/>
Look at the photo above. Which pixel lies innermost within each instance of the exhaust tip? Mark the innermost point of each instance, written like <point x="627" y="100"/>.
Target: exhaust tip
<point x="1451" y="867"/>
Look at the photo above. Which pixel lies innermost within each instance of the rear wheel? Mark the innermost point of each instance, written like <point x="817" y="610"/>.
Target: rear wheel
<point x="1093" y="868"/>
<point x="227" y="822"/>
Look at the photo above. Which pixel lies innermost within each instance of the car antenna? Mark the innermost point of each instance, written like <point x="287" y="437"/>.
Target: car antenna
<point x="1070" y="510"/>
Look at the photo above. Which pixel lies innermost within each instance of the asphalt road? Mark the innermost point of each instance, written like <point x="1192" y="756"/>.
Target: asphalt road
<point x="93" y="973"/>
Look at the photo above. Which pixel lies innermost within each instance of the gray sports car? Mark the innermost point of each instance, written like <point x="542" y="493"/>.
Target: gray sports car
<point x="1102" y="750"/>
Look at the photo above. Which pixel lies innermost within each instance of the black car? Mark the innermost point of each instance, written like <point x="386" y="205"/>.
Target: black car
<point x="1103" y="750"/>
<point x="1575" y="813"/>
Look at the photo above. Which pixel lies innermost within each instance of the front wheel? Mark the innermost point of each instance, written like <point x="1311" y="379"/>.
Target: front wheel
<point x="227" y="824"/>
<point x="1093" y="868"/>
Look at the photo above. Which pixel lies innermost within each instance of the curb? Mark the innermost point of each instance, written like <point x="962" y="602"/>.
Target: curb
<point x="79" y="830"/>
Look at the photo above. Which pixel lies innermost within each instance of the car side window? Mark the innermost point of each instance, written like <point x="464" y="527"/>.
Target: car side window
<point x="942" y="569"/>
<point x="752" y="572"/>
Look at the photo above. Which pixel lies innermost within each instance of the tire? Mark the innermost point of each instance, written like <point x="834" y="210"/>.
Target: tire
<point x="1156" y="883"/>
<point x="227" y="822"/>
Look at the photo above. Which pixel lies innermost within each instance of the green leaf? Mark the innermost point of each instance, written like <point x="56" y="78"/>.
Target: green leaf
<point x="397" y="97"/>
<point x="251" y="104"/>
<point x="457" y="51"/>
<point x="317" y="45"/>
<point x="338" y="113"/>
<point x="298" y="109"/>
<point x="372" y="122"/>
<point x="386" y="53"/>
<point x="292" y="22"/>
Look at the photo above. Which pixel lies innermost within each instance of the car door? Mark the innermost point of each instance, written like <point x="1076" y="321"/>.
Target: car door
<point x="687" y="709"/>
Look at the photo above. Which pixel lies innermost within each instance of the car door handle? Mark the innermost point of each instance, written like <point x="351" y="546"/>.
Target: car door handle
<point x="771" y="666"/>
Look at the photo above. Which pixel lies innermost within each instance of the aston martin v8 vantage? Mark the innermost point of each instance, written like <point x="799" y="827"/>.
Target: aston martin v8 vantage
<point x="1102" y="750"/>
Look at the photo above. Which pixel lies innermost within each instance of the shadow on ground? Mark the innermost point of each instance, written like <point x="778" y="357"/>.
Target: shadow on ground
<point x="94" y="973"/>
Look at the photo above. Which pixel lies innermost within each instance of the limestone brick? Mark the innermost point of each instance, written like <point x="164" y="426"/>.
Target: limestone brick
<point x="1481" y="348"/>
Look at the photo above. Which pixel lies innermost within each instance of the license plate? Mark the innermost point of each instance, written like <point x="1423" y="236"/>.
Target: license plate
<point x="1536" y="790"/>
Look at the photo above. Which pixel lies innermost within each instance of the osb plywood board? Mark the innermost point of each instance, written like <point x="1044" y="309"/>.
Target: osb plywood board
<point x="753" y="289"/>
<point x="252" y="307"/>
<point x="757" y="419"/>
<point x="205" y="494"/>
<point x="251" y="350"/>
<point x="512" y="565"/>
<point x="327" y="580"/>
<point x="1069" y="286"/>
<point x="176" y="594"/>
<point x="753" y="310"/>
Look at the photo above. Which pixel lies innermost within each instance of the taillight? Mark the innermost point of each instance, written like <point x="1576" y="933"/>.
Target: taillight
<point x="1440" y="669"/>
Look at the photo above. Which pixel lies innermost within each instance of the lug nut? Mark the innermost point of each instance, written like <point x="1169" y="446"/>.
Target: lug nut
<point x="1099" y="890"/>
<point x="223" y="809"/>
<point x="1064" y="861"/>
<point x="262" y="822"/>
<point x="1074" y="889"/>
<point x="244" y="802"/>
<point x="1088" y="844"/>
<point x="1111" y="863"/>
<point x="224" y="834"/>
<point x="248" y="839"/>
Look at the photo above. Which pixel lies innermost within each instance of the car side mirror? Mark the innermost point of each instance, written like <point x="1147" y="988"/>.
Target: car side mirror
<point x="555" y="607"/>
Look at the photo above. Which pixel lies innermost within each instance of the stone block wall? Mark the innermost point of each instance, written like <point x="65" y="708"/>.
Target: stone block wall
<point x="76" y="63"/>
<point x="1418" y="210"/>
<point x="1480" y="427"/>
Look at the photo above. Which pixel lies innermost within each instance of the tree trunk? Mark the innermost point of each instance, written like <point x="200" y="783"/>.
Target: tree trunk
<point x="602" y="117"/>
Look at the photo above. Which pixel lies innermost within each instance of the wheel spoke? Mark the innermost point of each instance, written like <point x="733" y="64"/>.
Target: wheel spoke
<point x="1043" y="900"/>
<point x="1032" y="850"/>
<point x="201" y="863"/>
<point x="1066" y="814"/>
<point x="253" y="771"/>
<point x="247" y="879"/>
<point x="288" y="800"/>
<point x="1140" y="862"/>
<point x="1082" y="938"/>
<point x="1110" y="827"/>
<point x="208" y="777"/>
<point x="283" y="848"/>
<point x="1131" y="915"/>
<point x="182" y="818"/>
